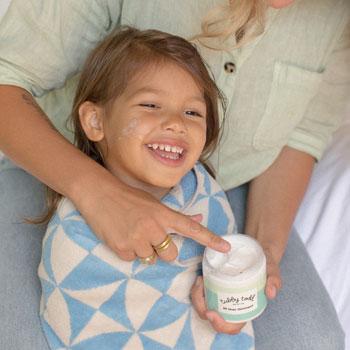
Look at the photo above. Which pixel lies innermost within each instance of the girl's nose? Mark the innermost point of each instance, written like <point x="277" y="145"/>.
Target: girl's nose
<point x="175" y="123"/>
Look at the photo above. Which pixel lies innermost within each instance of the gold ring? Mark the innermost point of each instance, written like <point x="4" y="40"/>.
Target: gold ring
<point x="148" y="259"/>
<point x="164" y="245"/>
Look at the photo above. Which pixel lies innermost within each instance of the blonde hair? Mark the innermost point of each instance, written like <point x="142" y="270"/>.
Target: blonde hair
<point x="242" y="19"/>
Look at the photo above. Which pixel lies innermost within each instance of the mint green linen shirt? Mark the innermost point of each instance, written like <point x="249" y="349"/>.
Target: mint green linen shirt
<point x="288" y="87"/>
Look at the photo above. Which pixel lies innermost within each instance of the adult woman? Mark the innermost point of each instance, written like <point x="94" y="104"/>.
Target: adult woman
<point x="278" y="73"/>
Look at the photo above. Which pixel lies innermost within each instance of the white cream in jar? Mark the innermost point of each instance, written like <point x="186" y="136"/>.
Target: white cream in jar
<point x="235" y="281"/>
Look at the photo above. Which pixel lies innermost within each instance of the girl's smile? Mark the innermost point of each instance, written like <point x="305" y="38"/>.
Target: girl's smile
<point x="170" y="152"/>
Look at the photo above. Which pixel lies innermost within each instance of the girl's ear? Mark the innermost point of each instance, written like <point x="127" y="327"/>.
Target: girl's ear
<point x="90" y="116"/>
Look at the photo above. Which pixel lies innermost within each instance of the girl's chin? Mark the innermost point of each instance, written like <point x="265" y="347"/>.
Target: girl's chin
<point x="164" y="181"/>
<point x="164" y="185"/>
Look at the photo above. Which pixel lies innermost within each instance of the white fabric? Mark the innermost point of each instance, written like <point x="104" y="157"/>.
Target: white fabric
<point x="323" y="222"/>
<point x="3" y="7"/>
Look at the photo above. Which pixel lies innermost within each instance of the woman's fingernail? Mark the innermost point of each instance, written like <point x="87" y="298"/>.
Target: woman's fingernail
<point x="198" y="281"/>
<point x="273" y="292"/>
<point x="226" y="245"/>
<point x="210" y="317"/>
<point x="197" y="217"/>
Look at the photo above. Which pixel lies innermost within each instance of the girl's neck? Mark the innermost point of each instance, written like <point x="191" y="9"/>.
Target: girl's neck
<point x="156" y="192"/>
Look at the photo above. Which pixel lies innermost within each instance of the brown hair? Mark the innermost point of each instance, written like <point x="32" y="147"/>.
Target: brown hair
<point x="114" y="62"/>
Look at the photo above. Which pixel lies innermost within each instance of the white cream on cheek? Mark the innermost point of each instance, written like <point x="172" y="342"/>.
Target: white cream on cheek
<point x="133" y="129"/>
<point x="130" y="128"/>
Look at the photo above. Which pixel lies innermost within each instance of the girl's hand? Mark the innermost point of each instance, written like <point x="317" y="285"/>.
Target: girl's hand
<point x="216" y="321"/>
<point x="131" y="222"/>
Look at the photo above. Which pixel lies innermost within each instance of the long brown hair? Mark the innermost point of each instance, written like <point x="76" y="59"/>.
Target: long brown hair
<point x="114" y="62"/>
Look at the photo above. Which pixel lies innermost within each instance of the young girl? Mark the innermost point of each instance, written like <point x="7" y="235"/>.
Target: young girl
<point x="147" y="110"/>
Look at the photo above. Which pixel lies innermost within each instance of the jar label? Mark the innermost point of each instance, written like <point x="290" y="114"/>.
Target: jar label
<point x="238" y="303"/>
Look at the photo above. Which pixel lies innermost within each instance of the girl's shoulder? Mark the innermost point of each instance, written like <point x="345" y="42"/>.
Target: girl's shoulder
<point x="66" y="209"/>
<point x="67" y="220"/>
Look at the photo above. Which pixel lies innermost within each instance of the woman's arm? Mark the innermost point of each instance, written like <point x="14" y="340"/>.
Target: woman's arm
<point x="275" y="195"/>
<point x="128" y="220"/>
<point x="273" y="200"/>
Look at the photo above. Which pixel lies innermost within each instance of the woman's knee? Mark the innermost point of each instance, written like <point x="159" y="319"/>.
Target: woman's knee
<point x="316" y="326"/>
<point x="302" y="317"/>
<point x="21" y="195"/>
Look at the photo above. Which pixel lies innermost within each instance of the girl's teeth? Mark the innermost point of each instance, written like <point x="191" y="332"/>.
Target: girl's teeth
<point x="170" y="156"/>
<point x="167" y="148"/>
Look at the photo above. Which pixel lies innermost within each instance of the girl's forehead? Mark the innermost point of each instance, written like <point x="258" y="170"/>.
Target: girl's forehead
<point x="152" y="69"/>
<point x="163" y="75"/>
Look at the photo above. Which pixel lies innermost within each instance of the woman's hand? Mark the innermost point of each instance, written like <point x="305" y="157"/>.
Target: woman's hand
<point x="131" y="221"/>
<point x="273" y="285"/>
<point x="273" y="280"/>
<point x="216" y="321"/>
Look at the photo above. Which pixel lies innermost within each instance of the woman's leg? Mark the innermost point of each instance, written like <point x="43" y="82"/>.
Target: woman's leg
<point x="20" y="247"/>
<point x="302" y="317"/>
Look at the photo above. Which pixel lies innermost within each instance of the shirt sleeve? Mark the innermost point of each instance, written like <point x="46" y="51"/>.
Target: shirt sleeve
<point x="43" y="42"/>
<point x="326" y="110"/>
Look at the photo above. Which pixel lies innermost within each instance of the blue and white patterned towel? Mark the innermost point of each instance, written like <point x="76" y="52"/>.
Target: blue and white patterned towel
<point x="93" y="300"/>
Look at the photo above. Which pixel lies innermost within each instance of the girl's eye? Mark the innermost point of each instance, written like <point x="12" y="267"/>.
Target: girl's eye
<point x="193" y="114"/>
<point x="149" y="105"/>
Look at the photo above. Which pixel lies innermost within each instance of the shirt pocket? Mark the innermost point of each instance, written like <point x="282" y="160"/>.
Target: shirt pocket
<point x="291" y="91"/>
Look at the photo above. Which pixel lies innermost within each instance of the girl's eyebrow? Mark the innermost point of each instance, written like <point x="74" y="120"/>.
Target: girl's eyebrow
<point x="150" y="89"/>
<point x="145" y="89"/>
<point x="198" y="99"/>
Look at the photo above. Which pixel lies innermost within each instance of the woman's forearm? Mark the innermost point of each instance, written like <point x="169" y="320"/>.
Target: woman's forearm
<point x="274" y="198"/>
<point x="30" y="140"/>
<point x="127" y="219"/>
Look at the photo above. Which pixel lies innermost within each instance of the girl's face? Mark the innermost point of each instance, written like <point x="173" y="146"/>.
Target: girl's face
<point x="278" y="4"/>
<point x="156" y="130"/>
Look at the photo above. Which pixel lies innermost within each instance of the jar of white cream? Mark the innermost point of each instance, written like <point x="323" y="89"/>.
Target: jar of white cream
<point x="234" y="282"/>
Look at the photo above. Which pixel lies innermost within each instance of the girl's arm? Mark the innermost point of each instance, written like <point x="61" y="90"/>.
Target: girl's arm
<point x="128" y="220"/>
<point x="273" y="201"/>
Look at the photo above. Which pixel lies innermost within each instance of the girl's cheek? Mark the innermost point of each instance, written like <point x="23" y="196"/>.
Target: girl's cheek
<point x="130" y="128"/>
<point x="134" y="128"/>
<point x="200" y="136"/>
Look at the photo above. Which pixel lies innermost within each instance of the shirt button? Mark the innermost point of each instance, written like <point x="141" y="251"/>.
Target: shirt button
<point x="230" y="67"/>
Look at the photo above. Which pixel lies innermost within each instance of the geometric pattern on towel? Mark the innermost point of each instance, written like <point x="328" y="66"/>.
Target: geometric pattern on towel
<point x="92" y="300"/>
